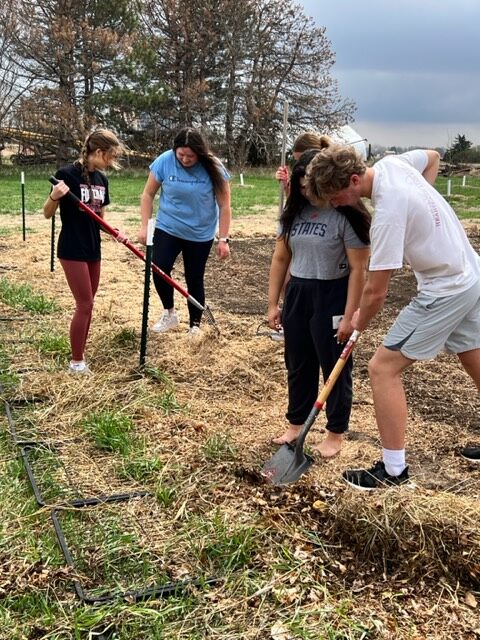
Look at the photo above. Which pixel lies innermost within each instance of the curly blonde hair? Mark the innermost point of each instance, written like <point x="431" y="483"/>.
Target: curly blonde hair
<point x="331" y="169"/>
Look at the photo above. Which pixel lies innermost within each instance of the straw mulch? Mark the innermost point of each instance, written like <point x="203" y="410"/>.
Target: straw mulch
<point x="230" y="392"/>
<point x="422" y="535"/>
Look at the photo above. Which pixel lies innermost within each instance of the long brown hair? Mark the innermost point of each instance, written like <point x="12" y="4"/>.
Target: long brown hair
<point x="194" y="140"/>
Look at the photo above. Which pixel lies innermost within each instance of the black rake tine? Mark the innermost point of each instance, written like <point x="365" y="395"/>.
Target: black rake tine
<point x="210" y="319"/>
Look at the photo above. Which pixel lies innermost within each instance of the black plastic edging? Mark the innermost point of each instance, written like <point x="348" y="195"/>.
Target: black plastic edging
<point x="158" y="591"/>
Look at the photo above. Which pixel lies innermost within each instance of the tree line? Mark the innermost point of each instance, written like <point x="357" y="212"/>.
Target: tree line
<point x="462" y="151"/>
<point x="146" y="68"/>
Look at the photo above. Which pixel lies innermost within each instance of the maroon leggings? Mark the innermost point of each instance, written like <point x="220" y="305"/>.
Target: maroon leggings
<point x="83" y="279"/>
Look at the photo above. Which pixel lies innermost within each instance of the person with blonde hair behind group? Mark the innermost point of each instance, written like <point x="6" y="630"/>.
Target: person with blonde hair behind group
<point x="79" y="247"/>
<point x="412" y="223"/>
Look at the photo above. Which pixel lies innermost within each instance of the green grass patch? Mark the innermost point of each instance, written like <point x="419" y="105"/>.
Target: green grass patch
<point x="36" y="192"/>
<point x="138" y="621"/>
<point x="165" y="493"/>
<point x="125" y="188"/>
<point x="158" y="375"/>
<point x="218" y="447"/>
<point x="50" y="475"/>
<point x="140" y="468"/>
<point x="106" y="548"/>
<point x="110" y="431"/>
<point x="465" y="200"/>
<point x="126" y="338"/>
<point x="8" y="379"/>
<point x="223" y="546"/>
<point x="259" y="190"/>
<point x="258" y="193"/>
<point x="25" y="420"/>
<point x="22" y="296"/>
<point x="168" y="403"/>
<point x="54" y="345"/>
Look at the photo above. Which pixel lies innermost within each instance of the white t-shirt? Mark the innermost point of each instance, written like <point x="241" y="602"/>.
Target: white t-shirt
<point x="413" y="223"/>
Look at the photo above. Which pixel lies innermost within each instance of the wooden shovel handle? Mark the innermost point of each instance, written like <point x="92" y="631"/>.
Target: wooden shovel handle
<point x="337" y="369"/>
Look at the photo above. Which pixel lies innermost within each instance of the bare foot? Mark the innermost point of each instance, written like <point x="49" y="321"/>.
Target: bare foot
<point x="290" y="435"/>
<point x="330" y="446"/>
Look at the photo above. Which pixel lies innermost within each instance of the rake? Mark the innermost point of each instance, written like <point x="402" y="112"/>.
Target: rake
<point x="115" y="233"/>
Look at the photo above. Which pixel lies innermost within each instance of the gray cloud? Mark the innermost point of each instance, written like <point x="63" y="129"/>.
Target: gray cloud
<point x="406" y="61"/>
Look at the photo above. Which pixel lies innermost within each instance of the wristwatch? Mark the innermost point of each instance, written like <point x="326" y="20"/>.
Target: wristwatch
<point x="227" y="240"/>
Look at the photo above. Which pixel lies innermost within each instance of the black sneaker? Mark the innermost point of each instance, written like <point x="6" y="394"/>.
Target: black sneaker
<point x="472" y="454"/>
<point x="374" y="478"/>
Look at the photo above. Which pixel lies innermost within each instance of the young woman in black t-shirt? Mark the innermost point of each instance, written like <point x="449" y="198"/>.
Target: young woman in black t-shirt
<point x="79" y="240"/>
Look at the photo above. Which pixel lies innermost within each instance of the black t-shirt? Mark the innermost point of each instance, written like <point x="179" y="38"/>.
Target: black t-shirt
<point x="79" y="237"/>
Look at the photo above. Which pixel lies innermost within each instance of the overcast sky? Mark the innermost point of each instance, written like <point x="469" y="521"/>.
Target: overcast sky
<point x="410" y="66"/>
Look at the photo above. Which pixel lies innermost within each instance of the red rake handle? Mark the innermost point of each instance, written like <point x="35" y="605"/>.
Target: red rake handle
<point x="115" y="233"/>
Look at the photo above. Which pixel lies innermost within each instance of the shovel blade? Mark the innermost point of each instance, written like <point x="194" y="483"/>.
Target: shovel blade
<point x="287" y="465"/>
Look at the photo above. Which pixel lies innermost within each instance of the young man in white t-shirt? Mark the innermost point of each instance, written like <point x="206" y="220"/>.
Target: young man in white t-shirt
<point x="413" y="223"/>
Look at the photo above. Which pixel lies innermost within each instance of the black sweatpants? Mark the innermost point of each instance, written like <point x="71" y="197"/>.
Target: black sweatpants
<point x="166" y="249"/>
<point x="310" y="345"/>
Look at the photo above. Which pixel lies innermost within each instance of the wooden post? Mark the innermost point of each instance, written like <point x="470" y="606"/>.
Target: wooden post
<point x="284" y="153"/>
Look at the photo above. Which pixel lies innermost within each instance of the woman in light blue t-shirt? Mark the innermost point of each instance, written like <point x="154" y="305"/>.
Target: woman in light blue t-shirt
<point x="194" y="200"/>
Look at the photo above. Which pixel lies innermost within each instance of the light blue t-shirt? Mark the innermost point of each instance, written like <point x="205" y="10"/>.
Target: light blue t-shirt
<point x="188" y="208"/>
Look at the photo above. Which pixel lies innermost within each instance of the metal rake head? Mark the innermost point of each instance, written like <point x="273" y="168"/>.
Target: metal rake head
<point x="210" y="319"/>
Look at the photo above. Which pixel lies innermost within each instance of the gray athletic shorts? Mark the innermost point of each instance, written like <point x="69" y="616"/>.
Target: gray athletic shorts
<point x="429" y="325"/>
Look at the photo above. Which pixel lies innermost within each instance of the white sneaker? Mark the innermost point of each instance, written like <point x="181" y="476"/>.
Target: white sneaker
<point x="79" y="369"/>
<point x="166" y="322"/>
<point x="277" y="335"/>
<point x="195" y="332"/>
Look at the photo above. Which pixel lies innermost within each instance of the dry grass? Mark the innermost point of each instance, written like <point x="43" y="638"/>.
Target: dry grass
<point x="413" y="533"/>
<point x="310" y="561"/>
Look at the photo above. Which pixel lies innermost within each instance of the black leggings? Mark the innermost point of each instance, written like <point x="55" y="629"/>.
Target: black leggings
<point x="166" y="249"/>
<point x="310" y="345"/>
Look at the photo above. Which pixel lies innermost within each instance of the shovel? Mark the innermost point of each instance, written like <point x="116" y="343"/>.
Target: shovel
<point x="290" y="461"/>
